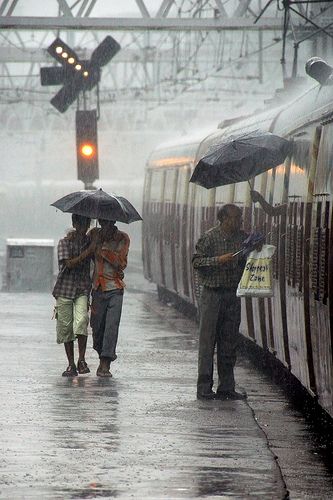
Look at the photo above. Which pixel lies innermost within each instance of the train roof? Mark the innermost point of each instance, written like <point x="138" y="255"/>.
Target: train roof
<point x="178" y="152"/>
<point x="193" y="138"/>
<point x="312" y="106"/>
<point x="263" y="121"/>
<point x="315" y="105"/>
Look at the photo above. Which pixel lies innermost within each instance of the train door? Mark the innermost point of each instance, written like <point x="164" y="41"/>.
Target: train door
<point x="321" y="296"/>
<point x="279" y="195"/>
<point x="146" y="247"/>
<point x="297" y="263"/>
<point x="155" y="221"/>
<point x="241" y="198"/>
<point x="168" y="229"/>
<point x="259" y="311"/>
<point x="182" y="229"/>
<point x="269" y="315"/>
<point x="202" y="218"/>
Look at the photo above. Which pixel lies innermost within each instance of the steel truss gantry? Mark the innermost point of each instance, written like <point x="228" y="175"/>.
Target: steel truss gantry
<point x="208" y="47"/>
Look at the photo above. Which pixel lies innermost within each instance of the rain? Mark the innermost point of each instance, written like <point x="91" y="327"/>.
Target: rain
<point x="142" y="106"/>
<point x="178" y="78"/>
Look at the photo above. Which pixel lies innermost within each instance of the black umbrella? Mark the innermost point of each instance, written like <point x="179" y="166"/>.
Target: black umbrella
<point x="240" y="158"/>
<point x="97" y="204"/>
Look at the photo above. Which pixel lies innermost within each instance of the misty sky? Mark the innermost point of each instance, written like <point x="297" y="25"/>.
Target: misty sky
<point x="102" y="7"/>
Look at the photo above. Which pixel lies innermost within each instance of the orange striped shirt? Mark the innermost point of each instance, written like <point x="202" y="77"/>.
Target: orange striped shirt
<point x="110" y="262"/>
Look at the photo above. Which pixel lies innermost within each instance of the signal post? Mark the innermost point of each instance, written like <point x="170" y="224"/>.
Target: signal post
<point x="87" y="147"/>
<point x="78" y="76"/>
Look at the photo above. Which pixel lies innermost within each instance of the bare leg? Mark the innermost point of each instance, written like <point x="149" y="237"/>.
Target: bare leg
<point x="82" y="366"/>
<point x="69" y="348"/>
<point x="71" y="369"/>
<point x="82" y="344"/>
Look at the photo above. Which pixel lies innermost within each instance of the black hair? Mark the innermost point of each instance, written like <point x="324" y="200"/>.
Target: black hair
<point x="223" y="212"/>
<point x="106" y="220"/>
<point x="79" y="219"/>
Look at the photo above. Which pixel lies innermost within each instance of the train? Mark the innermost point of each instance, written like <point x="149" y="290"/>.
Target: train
<point x="295" y="326"/>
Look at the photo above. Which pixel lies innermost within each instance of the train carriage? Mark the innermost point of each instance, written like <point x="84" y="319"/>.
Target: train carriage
<point x="296" y="324"/>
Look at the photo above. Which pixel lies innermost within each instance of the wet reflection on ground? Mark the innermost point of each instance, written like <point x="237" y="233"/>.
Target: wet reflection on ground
<point x="142" y="433"/>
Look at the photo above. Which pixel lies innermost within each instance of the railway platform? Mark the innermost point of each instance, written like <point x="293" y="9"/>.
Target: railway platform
<point x="143" y="433"/>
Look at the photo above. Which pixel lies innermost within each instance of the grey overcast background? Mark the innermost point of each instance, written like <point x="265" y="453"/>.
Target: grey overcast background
<point x="37" y="143"/>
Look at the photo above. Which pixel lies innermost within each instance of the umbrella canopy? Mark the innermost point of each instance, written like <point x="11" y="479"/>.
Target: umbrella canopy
<point x="97" y="204"/>
<point x="240" y="158"/>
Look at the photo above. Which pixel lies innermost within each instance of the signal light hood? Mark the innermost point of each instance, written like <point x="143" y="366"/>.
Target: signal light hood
<point x="318" y="69"/>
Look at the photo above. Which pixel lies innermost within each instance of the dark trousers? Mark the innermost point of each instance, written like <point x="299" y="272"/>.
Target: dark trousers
<point x="105" y="318"/>
<point x="220" y="315"/>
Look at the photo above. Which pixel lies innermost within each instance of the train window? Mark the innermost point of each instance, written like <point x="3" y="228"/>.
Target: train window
<point x="182" y="185"/>
<point x="224" y="194"/>
<point x="170" y="184"/>
<point x="156" y="185"/>
<point x="147" y="184"/>
<point x="320" y="252"/>
<point x="324" y="177"/>
<point x="278" y="180"/>
<point x="299" y="168"/>
<point x="204" y="203"/>
<point x="203" y="197"/>
<point x="174" y="156"/>
<point x="240" y="193"/>
<point x="257" y="214"/>
<point x="297" y="195"/>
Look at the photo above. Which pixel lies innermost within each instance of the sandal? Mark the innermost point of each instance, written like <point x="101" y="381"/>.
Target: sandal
<point x="70" y="371"/>
<point x="82" y="367"/>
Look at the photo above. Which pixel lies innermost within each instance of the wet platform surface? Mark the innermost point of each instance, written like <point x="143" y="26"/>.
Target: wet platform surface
<point x="141" y="434"/>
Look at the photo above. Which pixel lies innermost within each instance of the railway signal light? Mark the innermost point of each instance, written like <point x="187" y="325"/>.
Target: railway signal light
<point x="75" y="74"/>
<point x="86" y="146"/>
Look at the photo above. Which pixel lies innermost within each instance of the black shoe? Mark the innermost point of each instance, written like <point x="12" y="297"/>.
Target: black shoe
<point x="206" y="395"/>
<point x="230" y="395"/>
<point x="82" y="367"/>
<point x="70" y="371"/>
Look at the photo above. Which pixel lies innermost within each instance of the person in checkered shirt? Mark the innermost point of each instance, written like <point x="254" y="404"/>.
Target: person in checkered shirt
<point x="71" y="291"/>
<point x="219" y="266"/>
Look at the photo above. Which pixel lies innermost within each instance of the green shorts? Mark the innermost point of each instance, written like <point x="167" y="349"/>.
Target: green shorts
<point x="72" y="318"/>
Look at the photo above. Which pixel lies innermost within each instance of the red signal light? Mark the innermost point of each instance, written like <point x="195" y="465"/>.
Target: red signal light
<point x="87" y="150"/>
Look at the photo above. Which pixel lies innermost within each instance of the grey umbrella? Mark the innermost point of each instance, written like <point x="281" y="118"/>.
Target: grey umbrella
<point x="97" y="204"/>
<point x="240" y="158"/>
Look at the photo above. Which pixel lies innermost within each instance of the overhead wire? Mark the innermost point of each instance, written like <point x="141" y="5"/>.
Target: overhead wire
<point x="189" y="6"/>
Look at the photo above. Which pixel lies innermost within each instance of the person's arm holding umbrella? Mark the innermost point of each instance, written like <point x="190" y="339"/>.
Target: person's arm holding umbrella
<point x="202" y="258"/>
<point x="89" y="252"/>
<point x="267" y="207"/>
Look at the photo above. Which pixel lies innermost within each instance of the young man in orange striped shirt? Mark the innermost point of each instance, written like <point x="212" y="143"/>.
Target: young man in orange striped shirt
<point x="110" y="252"/>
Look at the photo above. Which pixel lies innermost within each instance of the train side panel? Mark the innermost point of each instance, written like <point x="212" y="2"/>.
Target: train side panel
<point x="168" y="232"/>
<point x="321" y="296"/>
<point x="152" y="226"/>
<point x="181" y="230"/>
<point x="296" y="275"/>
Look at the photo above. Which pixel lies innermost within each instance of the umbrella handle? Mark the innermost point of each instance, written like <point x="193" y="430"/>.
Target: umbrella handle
<point x="251" y="187"/>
